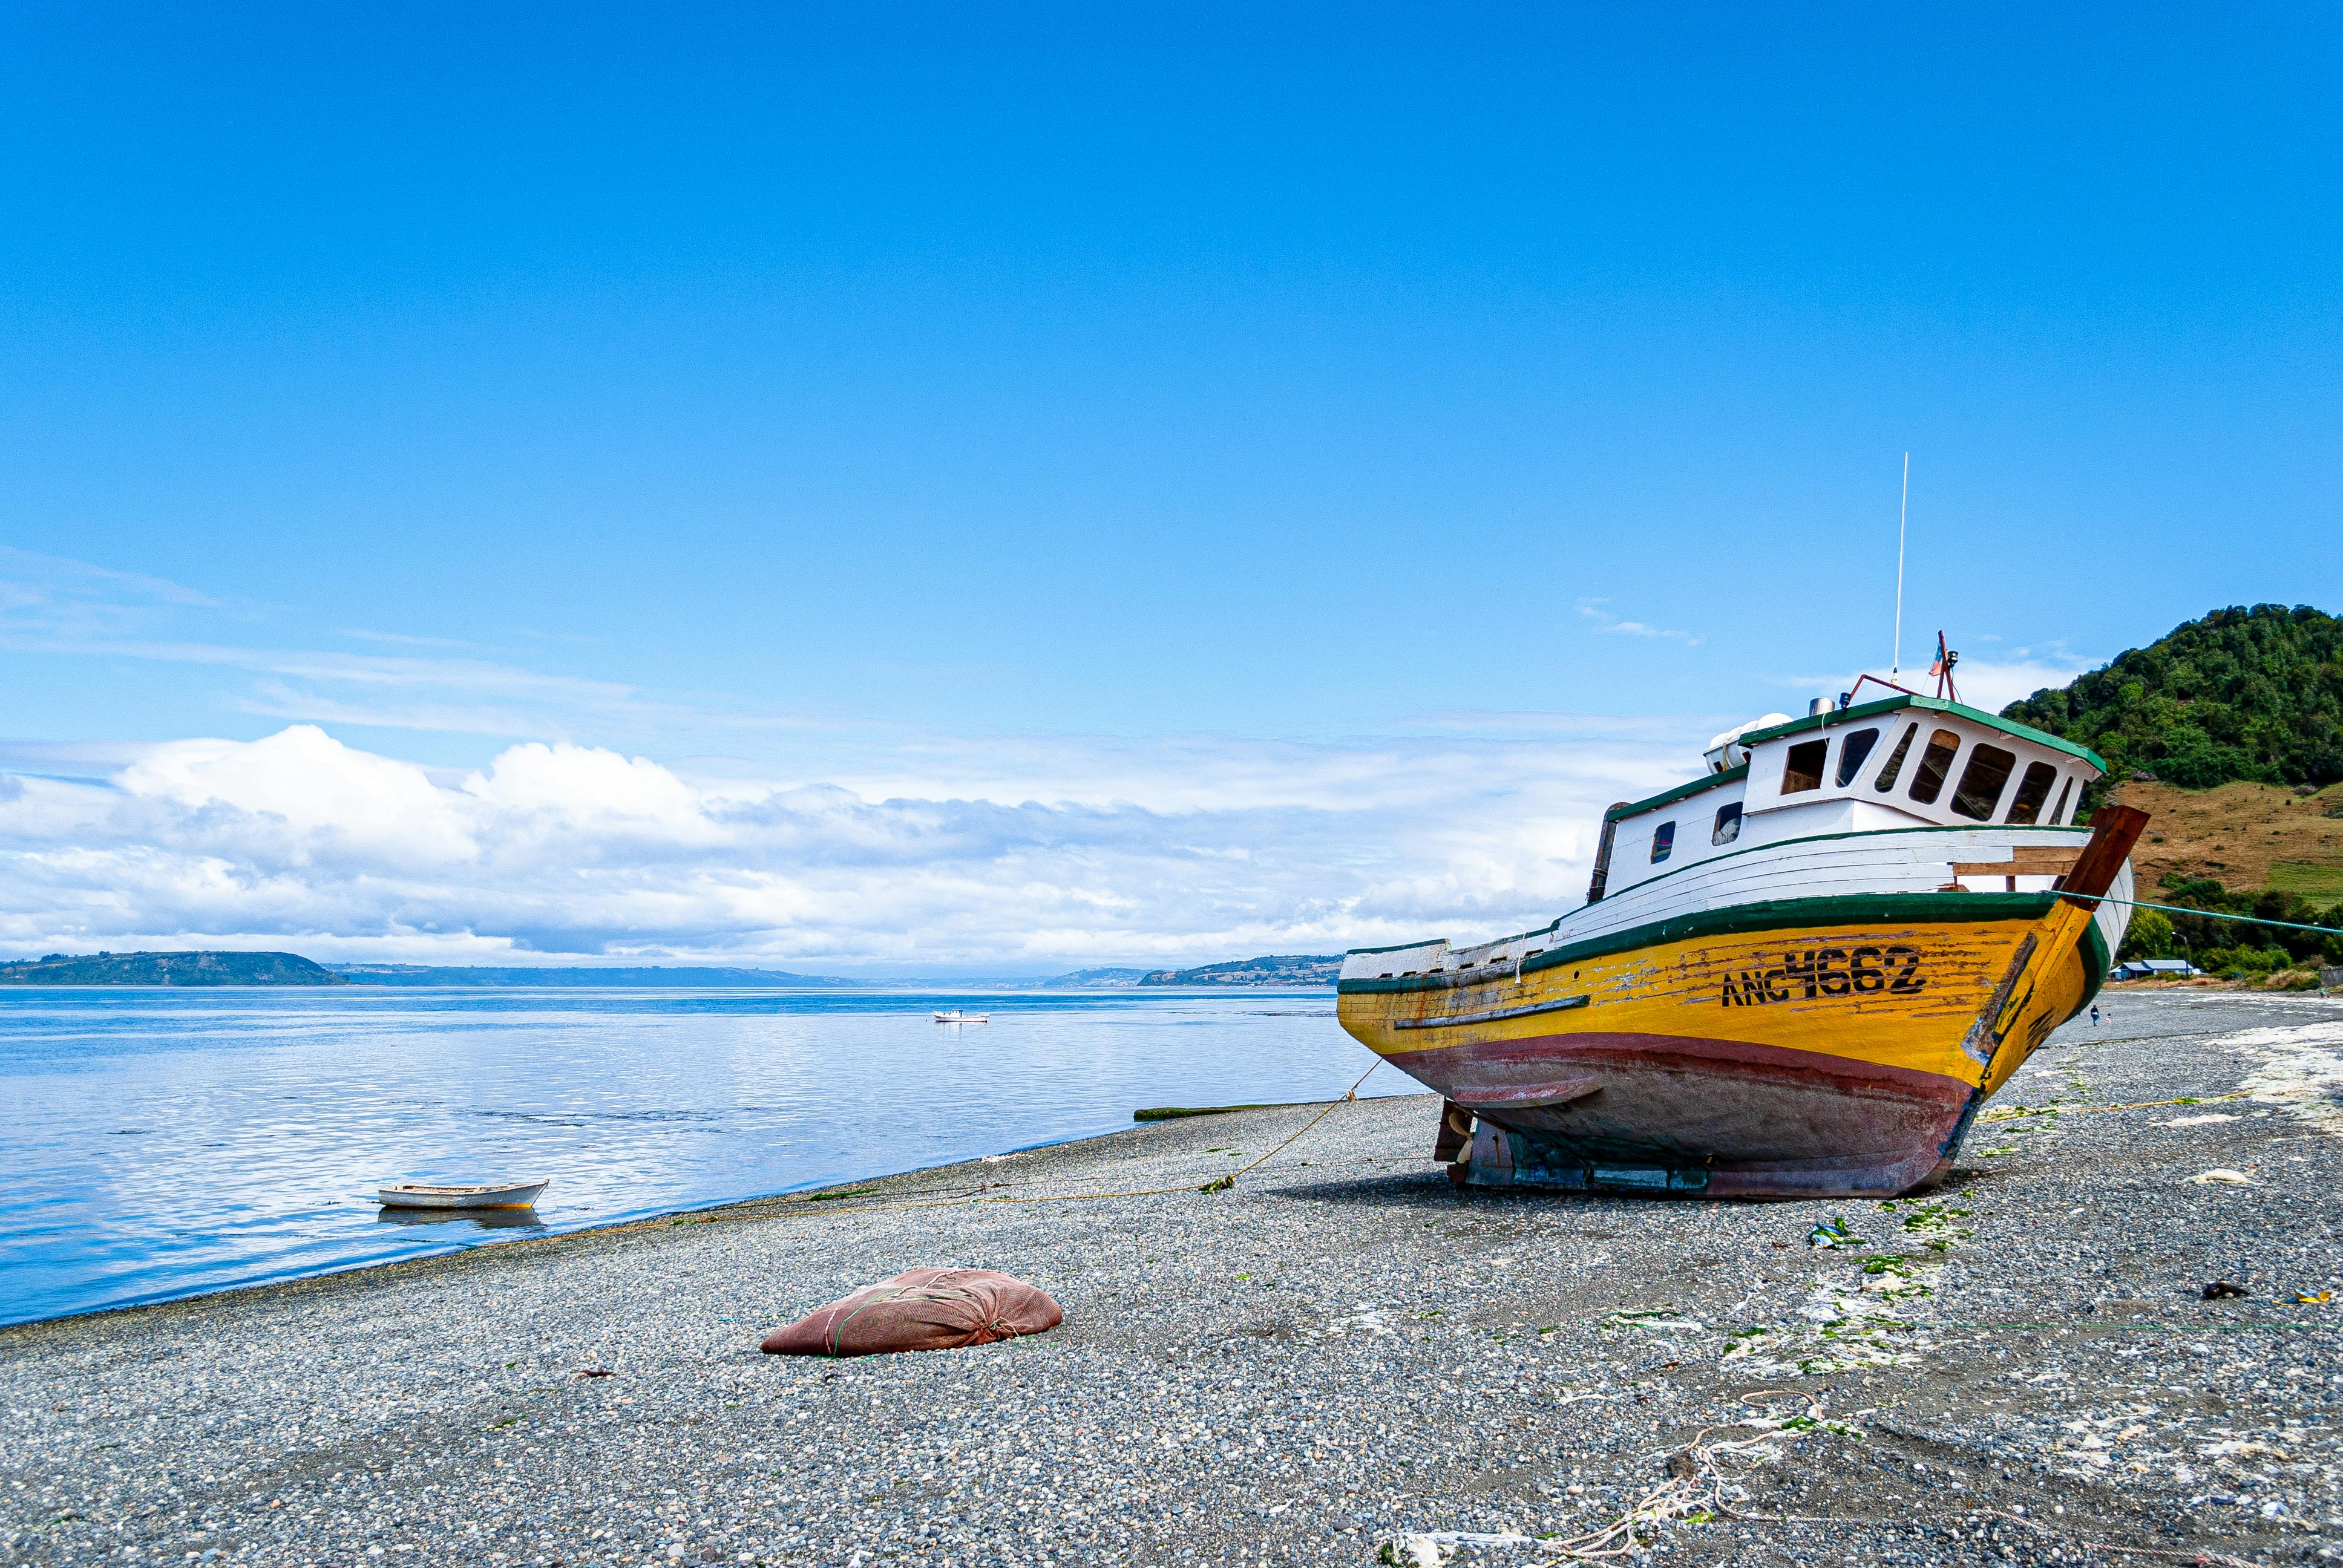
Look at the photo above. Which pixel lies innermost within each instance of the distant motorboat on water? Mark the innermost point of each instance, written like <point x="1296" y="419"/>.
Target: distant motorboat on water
<point x="955" y="1016"/>
<point x="423" y="1195"/>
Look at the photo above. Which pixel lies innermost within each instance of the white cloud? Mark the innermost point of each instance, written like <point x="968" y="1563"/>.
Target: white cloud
<point x="1008" y="854"/>
<point x="28" y="579"/>
<point x="868" y="848"/>
<point x="55" y="606"/>
<point x="1994" y="683"/>
<point x="1592" y="609"/>
<point x="1983" y="683"/>
<point x="301" y="793"/>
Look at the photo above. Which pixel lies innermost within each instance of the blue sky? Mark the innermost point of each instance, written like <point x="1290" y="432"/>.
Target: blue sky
<point x="1210" y="415"/>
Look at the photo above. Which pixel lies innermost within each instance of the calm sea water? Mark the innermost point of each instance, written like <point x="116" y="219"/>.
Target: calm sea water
<point x="160" y="1143"/>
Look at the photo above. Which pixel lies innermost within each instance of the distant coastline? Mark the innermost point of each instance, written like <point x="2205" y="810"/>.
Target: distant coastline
<point x="196" y="968"/>
<point x="213" y="968"/>
<point x="1288" y="969"/>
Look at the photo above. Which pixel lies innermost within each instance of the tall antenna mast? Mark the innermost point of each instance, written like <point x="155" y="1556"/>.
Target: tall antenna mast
<point x="1903" y="511"/>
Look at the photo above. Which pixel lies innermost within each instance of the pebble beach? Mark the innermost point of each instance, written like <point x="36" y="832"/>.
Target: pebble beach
<point x="1341" y="1359"/>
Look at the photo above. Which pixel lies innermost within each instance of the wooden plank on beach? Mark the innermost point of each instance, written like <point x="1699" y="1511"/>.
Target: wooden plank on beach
<point x="1173" y="1112"/>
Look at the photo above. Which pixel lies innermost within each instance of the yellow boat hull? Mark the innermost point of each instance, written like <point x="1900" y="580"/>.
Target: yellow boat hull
<point x="1799" y="1048"/>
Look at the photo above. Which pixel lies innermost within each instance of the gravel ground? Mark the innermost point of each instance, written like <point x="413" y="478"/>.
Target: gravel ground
<point x="1343" y="1351"/>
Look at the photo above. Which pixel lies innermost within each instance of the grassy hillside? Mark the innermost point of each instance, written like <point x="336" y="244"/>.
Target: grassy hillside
<point x="2242" y="835"/>
<point x="2253" y="694"/>
<point x="169" y="969"/>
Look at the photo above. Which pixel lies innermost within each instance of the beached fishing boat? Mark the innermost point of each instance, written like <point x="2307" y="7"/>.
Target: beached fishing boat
<point x="422" y="1195"/>
<point x="1799" y="975"/>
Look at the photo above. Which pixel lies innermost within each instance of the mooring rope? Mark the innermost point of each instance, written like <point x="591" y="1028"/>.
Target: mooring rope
<point x="1229" y="1180"/>
<point x="2209" y="914"/>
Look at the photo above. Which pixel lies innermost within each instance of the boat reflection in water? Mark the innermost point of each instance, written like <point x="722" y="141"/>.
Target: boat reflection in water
<point x="484" y="1218"/>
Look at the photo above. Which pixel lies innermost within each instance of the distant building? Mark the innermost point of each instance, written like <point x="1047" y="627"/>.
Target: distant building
<point x="2156" y="968"/>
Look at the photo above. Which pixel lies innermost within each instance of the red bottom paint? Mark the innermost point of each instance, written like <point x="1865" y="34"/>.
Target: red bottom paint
<point x="1673" y="1115"/>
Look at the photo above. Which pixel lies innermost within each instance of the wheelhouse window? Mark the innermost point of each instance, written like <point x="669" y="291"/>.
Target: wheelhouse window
<point x="1928" y="779"/>
<point x="1982" y="781"/>
<point x="1895" y="760"/>
<point x="1664" y="842"/>
<point x="1852" y="753"/>
<point x="1804" y="770"/>
<point x="2059" y="812"/>
<point x="1728" y="824"/>
<point x="2032" y="790"/>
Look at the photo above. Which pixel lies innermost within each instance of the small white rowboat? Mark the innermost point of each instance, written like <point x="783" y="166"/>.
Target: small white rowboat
<point x="418" y="1195"/>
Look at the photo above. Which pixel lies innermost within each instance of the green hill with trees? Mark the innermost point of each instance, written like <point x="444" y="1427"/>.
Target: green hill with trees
<point x="2253" y="694"/>
<point x="2243" y="696"/>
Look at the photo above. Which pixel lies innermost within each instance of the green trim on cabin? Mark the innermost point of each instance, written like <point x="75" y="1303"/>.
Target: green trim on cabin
<point x="1653" y="802"/>
<point x="1773" y="914"/>
<point x="1832" y="719"/>
<point x="1862" y="711"/>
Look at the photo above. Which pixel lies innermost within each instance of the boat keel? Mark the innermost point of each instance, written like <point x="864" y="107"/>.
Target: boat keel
<point x="1496" y="1157"/>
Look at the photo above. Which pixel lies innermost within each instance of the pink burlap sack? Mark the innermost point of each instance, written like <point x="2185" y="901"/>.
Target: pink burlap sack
<point x="922" y="1310"/>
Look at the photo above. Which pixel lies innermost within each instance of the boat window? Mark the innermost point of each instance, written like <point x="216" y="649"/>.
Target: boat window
<point x="1895" y="760"/>
<point x="1804" y="770"/>
<point x="1928" y="779"/>
<point x="2032" y="790"/>
<point x="1664" y="839"/>
<point x="1982" y="781"/>
<point x="1728" y="824"/>
<point x="1852" y="751"/>
<point x="2059" y="812"/>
